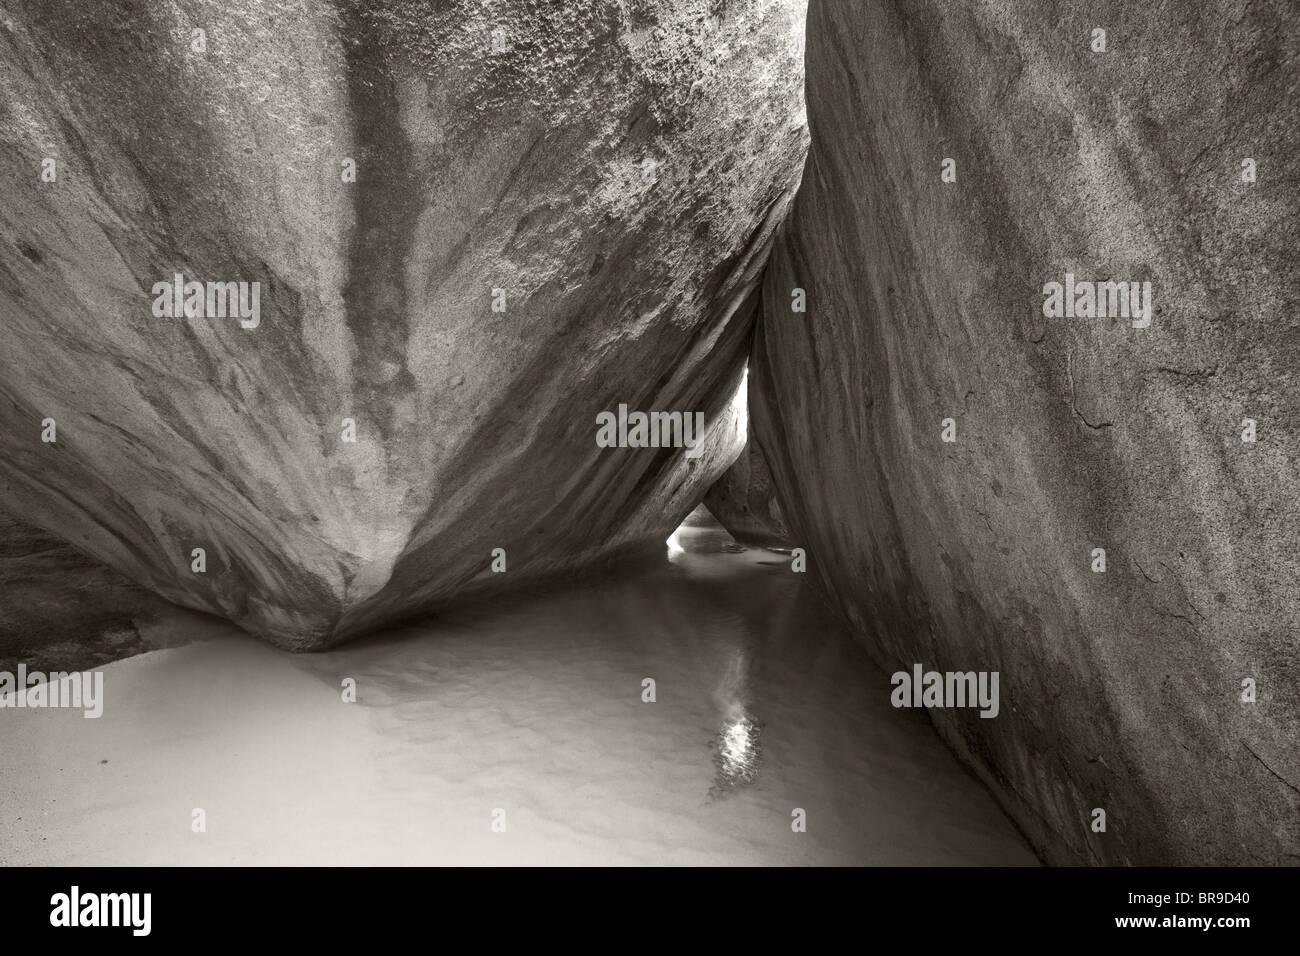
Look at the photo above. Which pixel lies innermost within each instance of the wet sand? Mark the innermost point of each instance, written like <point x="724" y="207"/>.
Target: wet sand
<point x="531" y="705"/>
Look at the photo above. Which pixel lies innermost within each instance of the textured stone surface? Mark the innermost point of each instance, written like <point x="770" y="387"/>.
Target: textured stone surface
<point x="745" y="502"/>
<point x="55" y="603"/>
<point x="61" y="610"/>
<point x="1119" y="690"/>
<point x="523" y="169"/>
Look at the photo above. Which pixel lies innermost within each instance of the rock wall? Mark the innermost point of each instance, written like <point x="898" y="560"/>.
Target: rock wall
<point x="473" y="227"/>
<point x="1121" y="690"/>
<point x="58" y="608"/>
<point x="61" y="610"/>
<point x="745" y="501"/>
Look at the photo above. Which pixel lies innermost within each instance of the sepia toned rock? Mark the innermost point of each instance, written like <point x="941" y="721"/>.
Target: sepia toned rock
<point x="955" y="448"/>
<point x="308" y="308"/>
<point x="746" y="504"/>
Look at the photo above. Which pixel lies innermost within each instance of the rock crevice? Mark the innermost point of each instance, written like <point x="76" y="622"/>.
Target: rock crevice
<point x="926" y="319"/>
<point x="471" y="229"/>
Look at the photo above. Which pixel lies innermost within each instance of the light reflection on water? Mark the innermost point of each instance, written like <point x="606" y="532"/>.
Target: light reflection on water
<point x="736" y="746"/>
<point x="737" y="754"/>
<point x="535" y="702"/>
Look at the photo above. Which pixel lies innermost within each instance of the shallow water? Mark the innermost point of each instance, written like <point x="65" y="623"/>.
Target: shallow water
<point x="526" y="713"/>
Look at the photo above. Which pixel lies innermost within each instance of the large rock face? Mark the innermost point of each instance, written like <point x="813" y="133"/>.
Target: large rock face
<point x="745" y="501"/>
<point x="1120" y="690"/>
<point x="556" y="209"/>
<point x="59" y="609"/>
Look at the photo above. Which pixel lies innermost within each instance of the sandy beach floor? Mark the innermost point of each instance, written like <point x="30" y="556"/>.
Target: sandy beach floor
<point x="526" y="713"/>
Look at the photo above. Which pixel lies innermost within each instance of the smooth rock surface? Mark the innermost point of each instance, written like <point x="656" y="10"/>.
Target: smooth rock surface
<point x="61" y="610"/>
<point x="1120" y="690"/>
<point x="616" y="171"/>
<point x="745" y="501"/>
